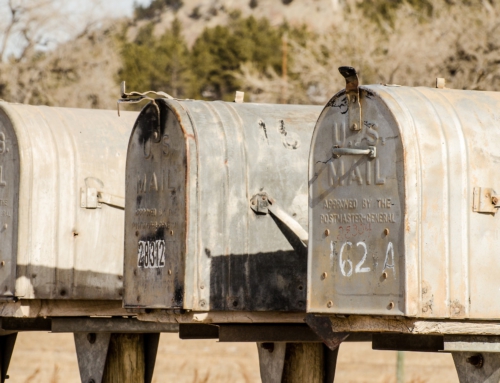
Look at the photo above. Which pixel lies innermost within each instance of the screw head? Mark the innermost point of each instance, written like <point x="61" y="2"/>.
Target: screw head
<point x="329" y="304"/>
<point x="169" y="272"/>
<point x="390" y="306"/>
<point x="384" y="275"/>
<point x="155" y="135"/>
<point x="324" y="275"/>
<point x="327" y="232"/>
<point x="386" y="231"/>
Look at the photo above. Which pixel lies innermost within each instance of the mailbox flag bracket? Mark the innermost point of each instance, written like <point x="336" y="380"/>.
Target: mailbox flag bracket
<point x="261" y="203"/>
<point x="352" y="94"/>
<point x="91" y="198"/>
<point x="485" y="200"/>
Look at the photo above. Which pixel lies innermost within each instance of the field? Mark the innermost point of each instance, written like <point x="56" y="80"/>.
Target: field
<point x="51" y="358"/>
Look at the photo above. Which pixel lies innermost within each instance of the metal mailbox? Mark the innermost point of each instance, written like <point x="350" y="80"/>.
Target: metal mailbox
<point x="403" y="199"/>
<point x="200" y="178"/>
<point x="61" y="202"/>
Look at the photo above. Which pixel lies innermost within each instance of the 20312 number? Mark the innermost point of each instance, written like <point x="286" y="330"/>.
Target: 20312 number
<point x="151" y="254"/>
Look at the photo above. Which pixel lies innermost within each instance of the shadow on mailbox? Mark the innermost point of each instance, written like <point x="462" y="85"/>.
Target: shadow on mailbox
<point x="216" y="202"/>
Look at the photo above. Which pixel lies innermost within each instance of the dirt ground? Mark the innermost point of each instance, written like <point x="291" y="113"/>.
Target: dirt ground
<point x="51" y="358"/>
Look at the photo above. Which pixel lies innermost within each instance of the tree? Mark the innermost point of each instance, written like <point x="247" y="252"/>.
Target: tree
<point x="157" y="63"/>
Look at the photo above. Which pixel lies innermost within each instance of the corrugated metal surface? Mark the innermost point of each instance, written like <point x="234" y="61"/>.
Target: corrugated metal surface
<point x="189" y="184"/>
<point x="61" y="250"/>
<point x="434" y="146"/>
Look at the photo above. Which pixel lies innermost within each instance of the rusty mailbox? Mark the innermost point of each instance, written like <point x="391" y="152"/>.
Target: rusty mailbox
<point x="403" y="202"/>
<point x="216" y="198"/>
<point x="61" y="202"/>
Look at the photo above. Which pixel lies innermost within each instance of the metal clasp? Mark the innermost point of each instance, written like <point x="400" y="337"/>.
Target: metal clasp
<point x="352" y="94"/>
<point x="485" y="200"/>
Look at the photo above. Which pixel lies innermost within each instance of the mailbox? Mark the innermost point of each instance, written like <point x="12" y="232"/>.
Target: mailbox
<point x="403" y="201"/>
<point x="216" y="196"/>
<point x="62" y="184"/>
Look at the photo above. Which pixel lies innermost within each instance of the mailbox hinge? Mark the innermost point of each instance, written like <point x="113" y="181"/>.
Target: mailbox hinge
<point x="352" y="94"/>
<point x="485" y="200"/>
<point x="90" y="198"/>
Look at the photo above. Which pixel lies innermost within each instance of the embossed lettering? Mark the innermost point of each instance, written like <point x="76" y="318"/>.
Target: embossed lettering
<point x="141" y="184"/>
<point x="153" y="184"/>
<point x="384" y="203"/>
<point x="355" y="176"/>
<point x="2" y="181"/>
<point x="2" y="142"/>
<point x="336" y="173"/>
<point x="336" y="139"/>
<point x="378" y="180"/>
<point x="166" y="146"/>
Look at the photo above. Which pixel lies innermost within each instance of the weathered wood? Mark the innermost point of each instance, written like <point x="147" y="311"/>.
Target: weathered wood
<point x="304" y="362"/>
<point x="125" y="362"/>
<point x="33" y="308"/>
<point x="223" y="317"/>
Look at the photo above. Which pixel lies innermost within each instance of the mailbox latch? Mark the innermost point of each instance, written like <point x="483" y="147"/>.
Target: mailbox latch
<point x="485" y="200"/>
<point x="352" y="94"/>
<point x="91" y="198"/>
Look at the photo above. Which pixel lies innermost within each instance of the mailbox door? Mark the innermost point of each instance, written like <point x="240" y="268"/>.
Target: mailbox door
<point x="356" y="226"/>
<point x="9" y="201"/>
<point x="155" y="211"/>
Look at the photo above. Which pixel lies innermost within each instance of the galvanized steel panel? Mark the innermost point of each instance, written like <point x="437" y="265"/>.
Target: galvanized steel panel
<point x="434" y="147"/>
<point x="58" y="249"/>
<point x="189" y="184"/>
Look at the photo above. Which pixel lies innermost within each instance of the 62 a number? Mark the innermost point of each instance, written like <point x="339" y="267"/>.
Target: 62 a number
<point x="347" y="268"/>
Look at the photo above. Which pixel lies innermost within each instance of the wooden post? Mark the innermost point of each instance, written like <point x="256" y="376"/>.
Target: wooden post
<point x="125" y="361"/>
<point x="304" y="362"/>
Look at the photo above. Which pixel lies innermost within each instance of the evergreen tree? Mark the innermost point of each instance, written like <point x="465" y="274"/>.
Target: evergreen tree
<point x="157" y="63"/>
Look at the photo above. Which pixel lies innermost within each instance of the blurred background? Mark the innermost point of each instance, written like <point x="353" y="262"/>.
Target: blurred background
<point x="75" y="53"/>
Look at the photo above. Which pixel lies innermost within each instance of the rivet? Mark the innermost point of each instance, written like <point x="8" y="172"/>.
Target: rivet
<point x="155" y="135"/>
<point x="384" y="275"/>
<point x="386" y="231"/>
<point x="202" y="303"/>
<point x="327" y="232"/>
<point x="390" y="306"/>
<point x="169" y="272"/>
<point x="329" y="304"/>
<point x="324" y="275"/>
<point x="171" y="232"/>
<point x="425" y="309"/>
<point x="354" y="127"/>
<point x="2" y="263"/>
<point x="202" y="287"/>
